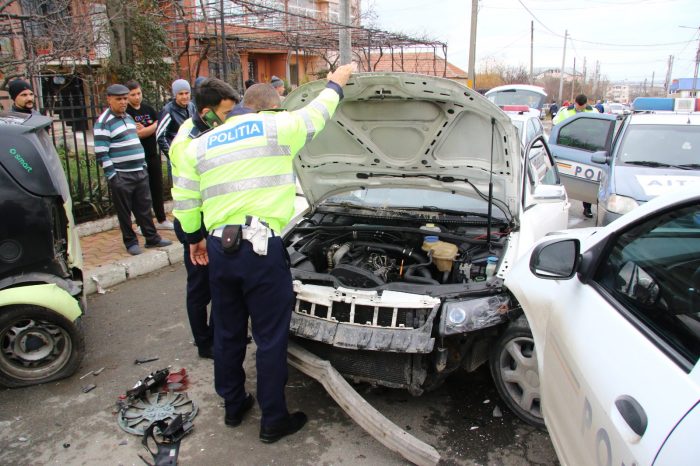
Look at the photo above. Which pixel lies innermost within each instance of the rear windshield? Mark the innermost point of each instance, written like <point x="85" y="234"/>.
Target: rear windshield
<point x="517" y="97"/>
<point x="665" y="144"/>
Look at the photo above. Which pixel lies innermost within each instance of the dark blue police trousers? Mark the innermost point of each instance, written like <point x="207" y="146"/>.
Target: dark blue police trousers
<point x="198" y="296"/>
<point x="246" y="285"/>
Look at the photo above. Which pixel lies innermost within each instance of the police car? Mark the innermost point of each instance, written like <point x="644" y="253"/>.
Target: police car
<point x="529" y="127"/>
<point x="615" y="316"/>
<point x="619" y="163"/>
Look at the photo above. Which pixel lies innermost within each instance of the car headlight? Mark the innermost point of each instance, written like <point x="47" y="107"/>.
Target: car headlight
<point x="620" y="204"/>
<point x="473" y="314"/>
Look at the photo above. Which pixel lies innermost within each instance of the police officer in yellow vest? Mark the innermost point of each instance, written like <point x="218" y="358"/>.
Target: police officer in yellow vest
<point x="240" y="176"/>
<point x="580" y="105"/>
<point x="214" y="100"/>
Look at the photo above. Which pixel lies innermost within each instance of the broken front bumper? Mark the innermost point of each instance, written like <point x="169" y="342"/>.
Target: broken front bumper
<point x="364" y="320"/>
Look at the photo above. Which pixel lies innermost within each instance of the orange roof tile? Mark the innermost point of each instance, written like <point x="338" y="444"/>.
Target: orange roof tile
<point x="420" y="62"/>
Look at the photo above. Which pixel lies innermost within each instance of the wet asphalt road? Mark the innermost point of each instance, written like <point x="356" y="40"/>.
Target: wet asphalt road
<point x="59" y="424"/>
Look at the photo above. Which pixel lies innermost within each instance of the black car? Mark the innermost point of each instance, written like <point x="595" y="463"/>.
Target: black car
<point x="41" y="287"/>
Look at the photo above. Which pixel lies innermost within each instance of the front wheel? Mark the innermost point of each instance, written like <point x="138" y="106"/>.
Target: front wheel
<point x="37" y="345"/>
<point x="514" y="369"/>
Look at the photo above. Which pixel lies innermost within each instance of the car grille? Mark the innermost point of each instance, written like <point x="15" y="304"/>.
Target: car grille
<point x="375" y="316"/>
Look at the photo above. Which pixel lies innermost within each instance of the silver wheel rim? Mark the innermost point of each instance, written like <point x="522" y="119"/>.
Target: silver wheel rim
<point x="518" y="368"/>
<point x="33" y="349"/>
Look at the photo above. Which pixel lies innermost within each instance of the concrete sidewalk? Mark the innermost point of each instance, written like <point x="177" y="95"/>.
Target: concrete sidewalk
<point x="107" y="263"/>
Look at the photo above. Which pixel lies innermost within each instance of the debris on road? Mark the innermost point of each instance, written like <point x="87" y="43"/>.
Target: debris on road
<point x="145" y="360"/>
<point x="88" y="388"/>
<point x="381" y="428"/>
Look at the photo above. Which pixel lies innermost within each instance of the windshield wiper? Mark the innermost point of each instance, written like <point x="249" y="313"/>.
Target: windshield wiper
<point x="458" y="213"/>
<point x="647" y="163"/>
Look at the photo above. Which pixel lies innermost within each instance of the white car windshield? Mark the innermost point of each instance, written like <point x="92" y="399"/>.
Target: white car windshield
<point x="419" y="199"/>
<point x="517" y="97"/>
<point x="661" y="145"/>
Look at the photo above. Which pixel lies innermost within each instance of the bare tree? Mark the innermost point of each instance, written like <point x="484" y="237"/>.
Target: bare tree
<point x="34" y="33"/>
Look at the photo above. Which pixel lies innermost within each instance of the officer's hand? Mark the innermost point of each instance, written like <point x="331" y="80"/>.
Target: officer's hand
<point x="198" y="253"/>
<point x="342" y="74"/>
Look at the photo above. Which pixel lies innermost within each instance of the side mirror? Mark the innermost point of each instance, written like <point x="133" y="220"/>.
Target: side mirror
<point x="556" y="259"/>
<point x="600" y="156"/>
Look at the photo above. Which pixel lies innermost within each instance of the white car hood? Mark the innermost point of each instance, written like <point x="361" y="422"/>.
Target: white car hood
<point x="393" y="126"/>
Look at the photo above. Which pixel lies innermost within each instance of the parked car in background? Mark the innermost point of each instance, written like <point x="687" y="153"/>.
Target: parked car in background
<point x="520" y="94"/>
<point x="622" y="162"/>
<point x="528" y="126"/>
<point x="615" y="316"/>
<point x="41" y="282"/>
<point x="617" y="109"/>
<point x="421" y="198"/>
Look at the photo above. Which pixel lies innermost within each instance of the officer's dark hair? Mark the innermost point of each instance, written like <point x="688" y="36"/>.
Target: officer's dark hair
<point x="581" y="99"/>
<point x="132" y="84"/>
<point x="212" y="91"/>
<point x="261" y="97"/>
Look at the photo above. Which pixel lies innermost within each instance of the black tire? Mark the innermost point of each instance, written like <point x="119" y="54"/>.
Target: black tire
<point x="37" y="345"/>
<point x="513" y="364"/>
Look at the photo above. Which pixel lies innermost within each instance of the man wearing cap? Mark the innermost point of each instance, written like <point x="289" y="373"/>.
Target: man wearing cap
<point x="118" y="149"/>
<point x="173" y="114"/>
<point x="22" y="97"/>
<point x="278" y="84"/>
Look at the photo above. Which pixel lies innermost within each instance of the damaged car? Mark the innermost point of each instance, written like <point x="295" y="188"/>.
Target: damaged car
<point x="421" y="197"/>
<point x="41" y="282"/>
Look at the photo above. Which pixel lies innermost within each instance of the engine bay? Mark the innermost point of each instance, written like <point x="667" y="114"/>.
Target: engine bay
<point x="361" y="251"/>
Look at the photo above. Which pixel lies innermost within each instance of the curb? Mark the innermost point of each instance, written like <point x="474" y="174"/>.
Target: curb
<point x="97" y="280"/>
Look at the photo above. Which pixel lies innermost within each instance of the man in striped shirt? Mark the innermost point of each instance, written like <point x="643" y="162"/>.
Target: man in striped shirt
<point x="119" y="151"/>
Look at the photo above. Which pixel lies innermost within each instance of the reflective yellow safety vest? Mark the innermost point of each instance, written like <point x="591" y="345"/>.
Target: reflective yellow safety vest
<point x="570" y="111"/>
<point x="244" y="167"/>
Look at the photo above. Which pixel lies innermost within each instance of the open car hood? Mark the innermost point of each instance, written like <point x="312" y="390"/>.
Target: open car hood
<point x="409" y="130"/>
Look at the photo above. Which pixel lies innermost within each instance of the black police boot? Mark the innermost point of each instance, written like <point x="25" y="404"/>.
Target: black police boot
<point x="206" y="351"/>
<point x="292" y="424"/>
<point x="235" y="419"/>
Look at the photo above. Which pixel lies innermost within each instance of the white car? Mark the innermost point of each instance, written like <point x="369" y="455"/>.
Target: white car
<point x="529" y="127"/>
<point x="421" y="198"/>
<point x="615" y="317"/>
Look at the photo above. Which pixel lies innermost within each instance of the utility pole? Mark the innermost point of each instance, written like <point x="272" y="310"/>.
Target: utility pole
<point x="695" y="75"/>
<point x="344" y="38"/>
<point x="584" y="73"/>
<point x="595" y="80"/>
<point x="532" y="45"/>
<point x="694" y="89"/>
<point x="669" y="71"/>
<point x="472" y="44"/>
<point x="573" y="80"/>
<point x="561" y="73"/>
<point x="651" y="88"/>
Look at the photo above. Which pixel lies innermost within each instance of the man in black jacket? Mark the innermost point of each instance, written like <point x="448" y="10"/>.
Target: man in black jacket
<point x="22" y="97"/>
<point x="173" y="114"/>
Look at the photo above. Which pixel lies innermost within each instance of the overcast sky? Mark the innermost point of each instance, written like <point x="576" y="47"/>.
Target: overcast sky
<point x="630" y="38"/>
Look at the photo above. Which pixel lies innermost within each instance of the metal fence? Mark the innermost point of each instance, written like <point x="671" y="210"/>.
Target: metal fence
<point x="73" y="115"/>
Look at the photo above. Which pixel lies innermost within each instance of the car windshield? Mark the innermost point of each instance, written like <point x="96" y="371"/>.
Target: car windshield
<point x="517" y="97"/>
<point x="403" y="198"/>
<point x="661" y="145"/>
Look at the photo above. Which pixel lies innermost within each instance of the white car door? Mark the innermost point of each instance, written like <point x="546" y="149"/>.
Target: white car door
<point x="545" y="206"/>
<point x="617" y="344"/>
